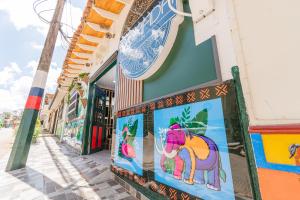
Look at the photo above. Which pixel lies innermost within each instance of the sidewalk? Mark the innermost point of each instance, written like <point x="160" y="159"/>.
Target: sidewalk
<point x="6" y="141"/>
<point x="55" y="172"/>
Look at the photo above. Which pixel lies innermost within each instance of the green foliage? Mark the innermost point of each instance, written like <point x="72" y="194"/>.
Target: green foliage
<point x="78" y="136"/>
<point x="199" y="123"/>
<point x="223" y="175"/>
<point x="185" y="116"/>
<point x="37" y="131"/>
<point x="133" y="128"/>
<point x="174" y="121"/>
<point x="71" y="87"/>
<point x="124" y="135"/>
<point x="78" y="86"/>
<point x="196" y="125"/>
<point x="69" y="98"/>
<point x="82" y="75"/>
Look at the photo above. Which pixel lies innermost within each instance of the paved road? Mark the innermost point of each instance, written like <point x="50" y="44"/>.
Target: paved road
<point x="6" y="141"/>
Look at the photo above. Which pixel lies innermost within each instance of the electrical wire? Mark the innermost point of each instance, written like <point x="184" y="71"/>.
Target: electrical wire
<point x="64" y="35"/>
<point x="71" y="14"/>
<point x="177" y="11"/>
<point x="35" y="5"/>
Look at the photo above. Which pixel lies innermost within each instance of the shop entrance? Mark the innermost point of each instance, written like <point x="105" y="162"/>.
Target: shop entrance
<point x="102" y="112"/>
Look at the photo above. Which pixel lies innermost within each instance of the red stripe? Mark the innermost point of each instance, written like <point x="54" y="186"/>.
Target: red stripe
<point x="293" y="128"/>
<point x="33" y="102"/>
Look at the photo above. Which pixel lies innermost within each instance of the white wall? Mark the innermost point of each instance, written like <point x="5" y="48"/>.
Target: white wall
<point x="217" y="23"/>
<point x="267" y="42"/>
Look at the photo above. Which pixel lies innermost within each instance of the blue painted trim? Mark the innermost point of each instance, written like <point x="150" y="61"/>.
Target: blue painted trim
<point x="35" y="91"/>
<point x="260" y="157"/>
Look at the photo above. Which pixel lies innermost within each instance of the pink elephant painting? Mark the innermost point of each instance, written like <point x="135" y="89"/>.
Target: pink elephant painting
<point x="192" y="153"/>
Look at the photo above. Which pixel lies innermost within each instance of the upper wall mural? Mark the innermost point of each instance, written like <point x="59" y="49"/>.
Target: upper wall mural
<point x="144" y="48"/>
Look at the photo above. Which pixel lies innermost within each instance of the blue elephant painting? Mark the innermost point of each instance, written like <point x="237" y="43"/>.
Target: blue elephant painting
<point x="191" y="152"/>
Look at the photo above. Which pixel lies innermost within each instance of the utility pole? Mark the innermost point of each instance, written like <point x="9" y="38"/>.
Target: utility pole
<point x="20" y="149"/>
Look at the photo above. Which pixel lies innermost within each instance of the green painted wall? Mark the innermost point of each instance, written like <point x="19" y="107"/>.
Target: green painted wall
<point x="187" y="65"/>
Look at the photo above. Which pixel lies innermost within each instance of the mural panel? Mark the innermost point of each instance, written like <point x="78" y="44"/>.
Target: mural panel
<point x="192" y="146"/>
<point x="129" y="143"/>
<point x="74" y="132"/>
<point x="277" y="158"/>
<point x="191" y="152"/>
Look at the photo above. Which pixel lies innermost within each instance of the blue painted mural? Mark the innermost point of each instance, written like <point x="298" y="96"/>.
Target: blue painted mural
<point x="141" y="47"/>
<point x="191" y="152"/>
<point x="129" y="143"/>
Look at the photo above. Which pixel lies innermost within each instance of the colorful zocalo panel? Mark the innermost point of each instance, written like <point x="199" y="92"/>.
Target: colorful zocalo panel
<point x="193" y="146"/>
<point x="277" y="156"/>
<point x="282" y="155"/>
<point x="191" y="151"/>
<point x="129" y="143"/>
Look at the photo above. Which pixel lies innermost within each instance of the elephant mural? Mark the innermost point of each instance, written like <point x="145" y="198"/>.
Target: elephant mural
<point x="188" y="155"/>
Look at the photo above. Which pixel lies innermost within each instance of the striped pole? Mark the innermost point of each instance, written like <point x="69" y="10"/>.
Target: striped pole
<point x="20" y="149"/>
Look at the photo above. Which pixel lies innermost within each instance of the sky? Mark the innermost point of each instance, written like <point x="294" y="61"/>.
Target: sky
<point x="22" y="36"/>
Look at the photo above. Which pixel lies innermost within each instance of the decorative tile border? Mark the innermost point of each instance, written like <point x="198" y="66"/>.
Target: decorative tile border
<point x="196" y="95"/>
<point x="162" y="189"/>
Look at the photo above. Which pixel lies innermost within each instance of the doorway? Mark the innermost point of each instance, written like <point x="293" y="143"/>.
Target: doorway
<point x="102" y="112"/>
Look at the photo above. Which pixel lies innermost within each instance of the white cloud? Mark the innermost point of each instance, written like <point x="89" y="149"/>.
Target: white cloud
<point x="17" y="86"/>
<point x="15" y="96"/>
<point x="8" y="74"/>
<point x="52" y="78"/>
<point x="36" y="46"/>
<point x="21" y="14"/>
<point x="52" y="75"/>
<point x="33" y="66"/>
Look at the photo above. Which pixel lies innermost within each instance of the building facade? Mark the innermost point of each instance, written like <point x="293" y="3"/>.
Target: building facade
<point x="195" y="99"/>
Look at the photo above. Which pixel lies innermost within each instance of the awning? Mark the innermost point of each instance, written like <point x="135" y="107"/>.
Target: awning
<point x="95" y="30"/>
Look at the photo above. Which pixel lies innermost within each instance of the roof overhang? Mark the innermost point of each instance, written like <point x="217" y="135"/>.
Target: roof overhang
<point x="96" y="37"/>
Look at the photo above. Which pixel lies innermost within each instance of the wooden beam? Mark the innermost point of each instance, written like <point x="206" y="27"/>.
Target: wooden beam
<point x="105" y="13"/>
<point x="92" y="38"/>
<point x="83" y="55"/>
<point x="71" y="75"/>
<point x="126" y="2"/>
<point x="73" y="70"/>
<point x="86" y="47"/>
<point x="73" y="66"/>
<point x="79" y="61"/>
<point x="97" y="27"/>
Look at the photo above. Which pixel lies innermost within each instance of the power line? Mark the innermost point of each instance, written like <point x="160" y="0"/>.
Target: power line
<point x="63" y="34"/>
